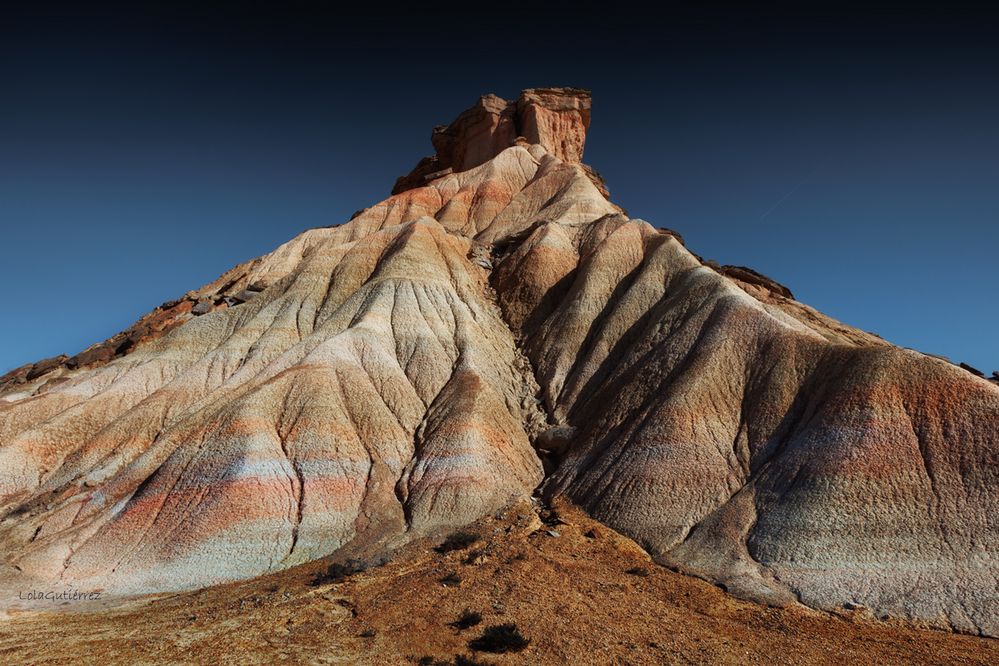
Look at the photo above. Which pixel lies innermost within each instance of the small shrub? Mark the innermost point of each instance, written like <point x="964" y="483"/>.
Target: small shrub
<point x="462" y="660"/>
<point x="551" y="518"/>
<point x="338" y="572"/>
<point x="459" y="660"/>
<point x="368" y="633"/>
<point x="499" y="639"/>
<point x="641" y="572"/>
<point x="468" y="618"/>
<point x="457" y="541"/>
<point x="451" y="580"/>
<point x="476" y="557"/>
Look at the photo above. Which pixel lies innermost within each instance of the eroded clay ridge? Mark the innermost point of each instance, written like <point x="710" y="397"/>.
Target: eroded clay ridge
<point x="395" y="375"/>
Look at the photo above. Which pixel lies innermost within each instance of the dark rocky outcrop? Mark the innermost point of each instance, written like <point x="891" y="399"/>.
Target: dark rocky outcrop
<point x="975" y="371"/>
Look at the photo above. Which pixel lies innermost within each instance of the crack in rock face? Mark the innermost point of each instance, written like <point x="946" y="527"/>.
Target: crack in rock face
<point x="495" y="328"/>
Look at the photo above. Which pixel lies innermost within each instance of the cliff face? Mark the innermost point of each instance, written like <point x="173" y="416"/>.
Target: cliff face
<point x="408" y="371"/>
<point x="554" y="118"/>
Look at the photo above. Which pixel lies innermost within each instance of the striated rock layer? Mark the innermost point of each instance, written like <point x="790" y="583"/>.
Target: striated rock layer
<point x="408" y="371"/>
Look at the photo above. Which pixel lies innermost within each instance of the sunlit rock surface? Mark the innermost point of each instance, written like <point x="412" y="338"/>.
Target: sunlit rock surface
<point x="406" y="372"/>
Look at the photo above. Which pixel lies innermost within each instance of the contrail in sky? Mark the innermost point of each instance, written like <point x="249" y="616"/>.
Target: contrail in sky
<point x="783" y="198"/>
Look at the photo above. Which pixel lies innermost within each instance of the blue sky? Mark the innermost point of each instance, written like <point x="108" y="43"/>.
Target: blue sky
<point x="852" y="157"/>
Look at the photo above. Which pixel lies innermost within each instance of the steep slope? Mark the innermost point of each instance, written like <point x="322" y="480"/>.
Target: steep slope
<point x="359" y="387"/>
<point x="766" y="451"/>
<point x="372" y="391"/>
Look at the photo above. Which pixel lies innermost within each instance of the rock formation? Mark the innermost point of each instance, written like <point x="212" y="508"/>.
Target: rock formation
<point x="377" y="381"/>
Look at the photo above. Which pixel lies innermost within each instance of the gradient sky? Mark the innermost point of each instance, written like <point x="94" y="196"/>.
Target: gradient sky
<point x="852" y="155"/>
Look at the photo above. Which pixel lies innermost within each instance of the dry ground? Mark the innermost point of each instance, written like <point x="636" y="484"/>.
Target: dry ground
<point x="571" y="595"/>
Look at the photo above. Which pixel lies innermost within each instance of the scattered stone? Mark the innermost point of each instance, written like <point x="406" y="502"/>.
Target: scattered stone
<point x="94" y="356"/>
<point x="556" y="439"/>
<point x="972" y="370"/>
<point x="245" y="295"/>
<point x="202" y="307"/>
<point x="49" y="364"/>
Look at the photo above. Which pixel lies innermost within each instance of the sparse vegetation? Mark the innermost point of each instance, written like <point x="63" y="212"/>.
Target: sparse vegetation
<point x="338" y="572"/>
<point x="500" y="639"/>
<point x="550" y="517"/>
<point x="457" y="541"/>
<point x="451" y="580"/>
<point x="468" y="618"/>
<point x="459" y="660"/>
<point x="477" y="556"/>
<point x="463" y="660"/>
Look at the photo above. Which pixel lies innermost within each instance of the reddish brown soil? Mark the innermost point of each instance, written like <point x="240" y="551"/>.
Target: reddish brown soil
<point x="572" y="595"/>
